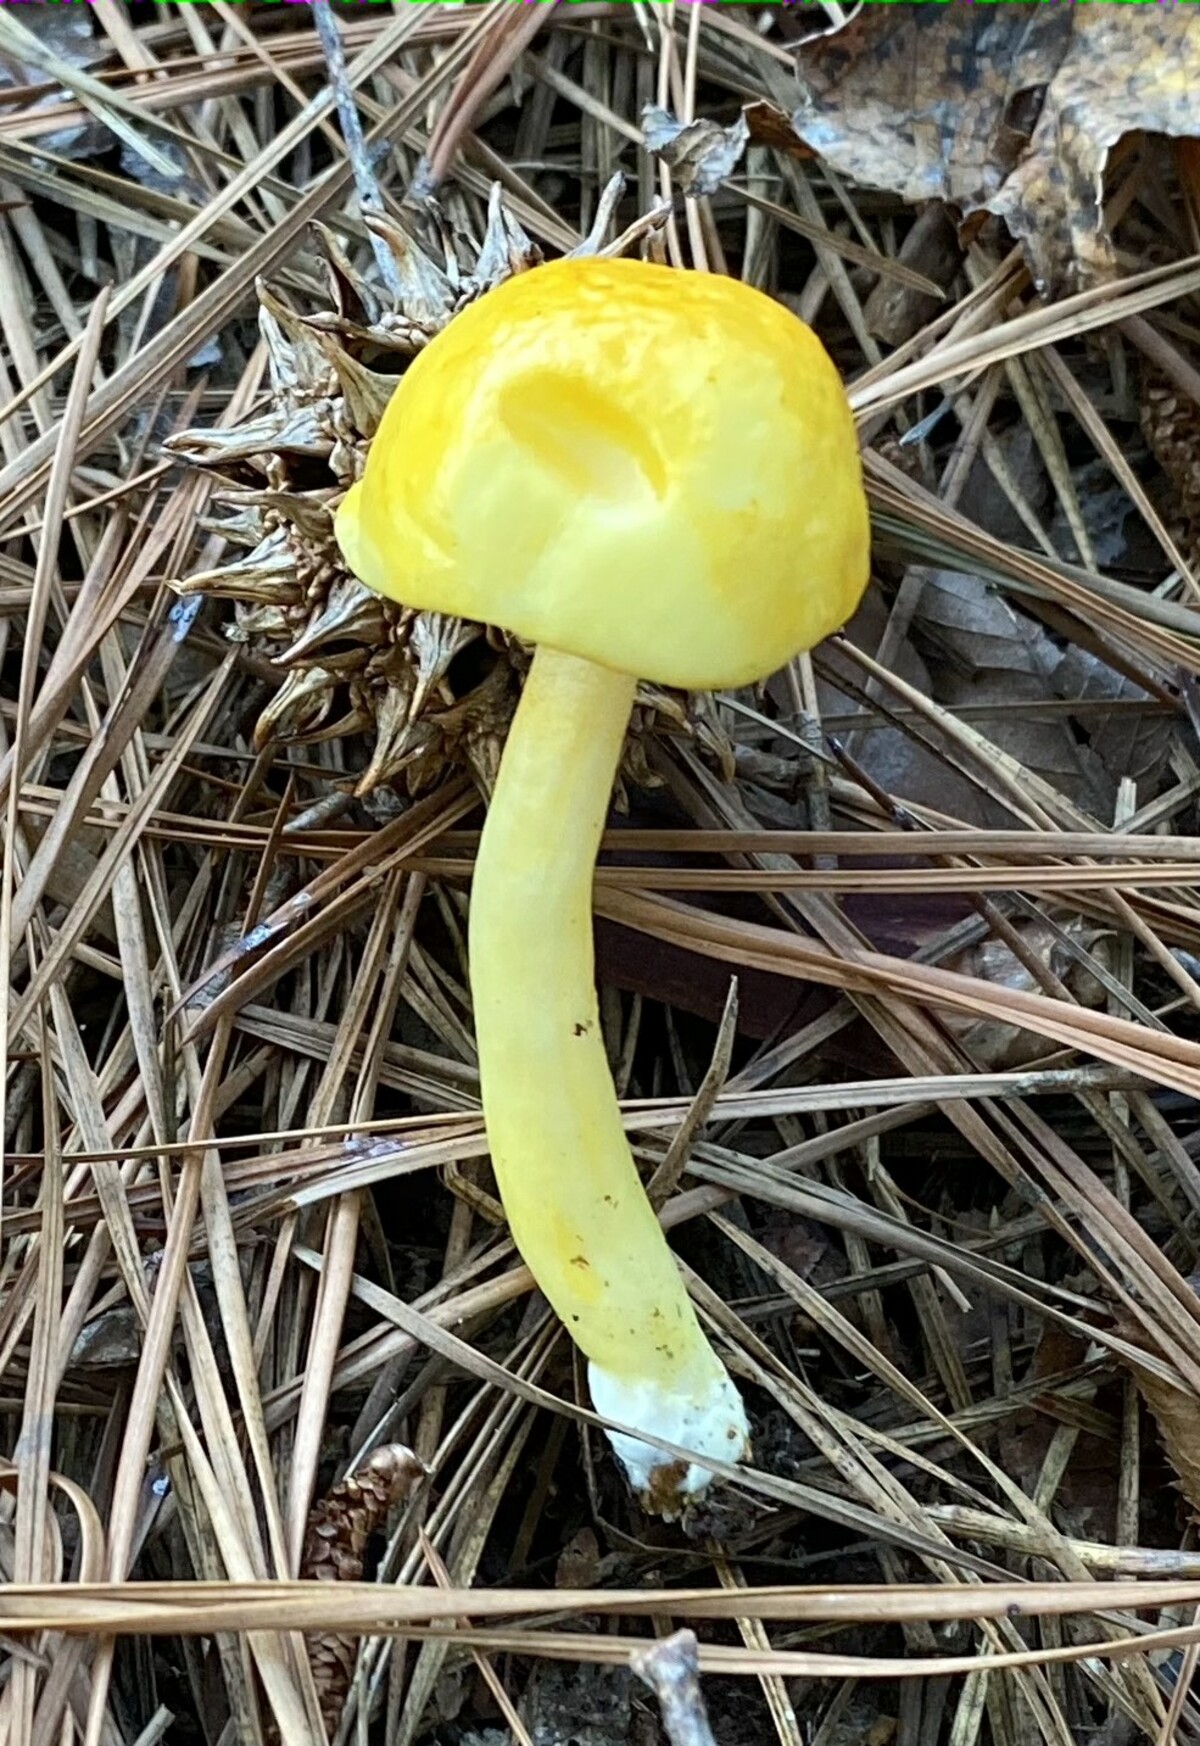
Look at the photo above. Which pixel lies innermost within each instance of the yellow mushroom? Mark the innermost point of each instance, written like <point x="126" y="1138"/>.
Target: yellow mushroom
<point x="647" y="474"/>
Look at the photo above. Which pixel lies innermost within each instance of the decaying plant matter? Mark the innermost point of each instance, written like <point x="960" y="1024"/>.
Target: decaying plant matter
<point x="935" y="1181"/>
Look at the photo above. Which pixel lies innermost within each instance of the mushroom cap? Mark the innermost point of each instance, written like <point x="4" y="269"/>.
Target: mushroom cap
<point x="651" y="469"/>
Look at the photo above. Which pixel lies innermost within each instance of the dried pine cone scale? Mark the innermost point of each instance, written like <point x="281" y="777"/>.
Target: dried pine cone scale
<point x="351" y="664"/>
<point x="348" y="613"/>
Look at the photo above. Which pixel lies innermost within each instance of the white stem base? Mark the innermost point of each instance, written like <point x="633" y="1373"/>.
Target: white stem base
<point x="712" y="1422"/>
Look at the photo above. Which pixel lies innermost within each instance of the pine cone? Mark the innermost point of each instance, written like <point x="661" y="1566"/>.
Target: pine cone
<point x="1173" y="1411"/>
<point x="339" y="1528"/>
<point x="1171" y="427"/>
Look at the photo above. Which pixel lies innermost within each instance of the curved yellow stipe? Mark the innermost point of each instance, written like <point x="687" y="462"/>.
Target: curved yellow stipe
<point x="575" y="1205"/>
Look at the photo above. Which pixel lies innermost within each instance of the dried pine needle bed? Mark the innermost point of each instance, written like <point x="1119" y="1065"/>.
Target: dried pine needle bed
<point x="291" y="1450"/>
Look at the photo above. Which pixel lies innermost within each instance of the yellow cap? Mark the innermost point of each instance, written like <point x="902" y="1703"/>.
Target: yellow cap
<point x="655" y="470"/>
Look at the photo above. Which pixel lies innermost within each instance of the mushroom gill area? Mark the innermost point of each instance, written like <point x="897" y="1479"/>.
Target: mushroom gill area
<point x="411" y="694"/>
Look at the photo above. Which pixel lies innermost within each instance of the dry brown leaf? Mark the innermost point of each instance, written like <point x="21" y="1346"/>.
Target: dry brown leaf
<point x="992" y="960"/>
<point x="982" y="650"/>
<point x="700" y="154"/>
<point x="770" y="126"/>
<point x="1007" y="109"/>
<point x="1136" y="747"/>
<point x="901" y="762"/>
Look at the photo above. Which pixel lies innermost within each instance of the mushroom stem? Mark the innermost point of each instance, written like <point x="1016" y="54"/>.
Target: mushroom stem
<point x="575" y="1204"/>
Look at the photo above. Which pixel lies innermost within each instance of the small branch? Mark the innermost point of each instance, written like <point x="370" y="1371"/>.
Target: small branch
<point x="665" y="1180"/>
<point x="365" y="181"/>
<point x="671" y="1668"/>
